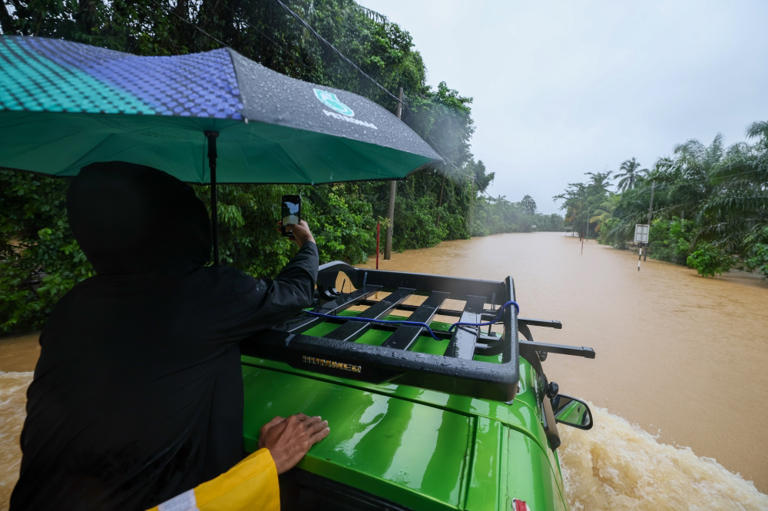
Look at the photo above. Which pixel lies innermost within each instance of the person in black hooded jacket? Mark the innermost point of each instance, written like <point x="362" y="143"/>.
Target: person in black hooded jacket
<point x="137" y="395"/>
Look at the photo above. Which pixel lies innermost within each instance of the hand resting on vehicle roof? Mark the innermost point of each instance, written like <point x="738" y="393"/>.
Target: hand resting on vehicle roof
<point x="288" y="440"/>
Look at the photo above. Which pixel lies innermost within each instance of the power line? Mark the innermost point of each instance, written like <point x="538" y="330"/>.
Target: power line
<point x="341" y="55"/>
<point x="173" y="13"/>
<point x="306" y="25"/>
<point x="320" y="38"/>
<point x="228" y="45"/>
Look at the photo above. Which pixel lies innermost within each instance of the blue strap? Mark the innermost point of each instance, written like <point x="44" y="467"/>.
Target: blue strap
<point x="495" y="320"/>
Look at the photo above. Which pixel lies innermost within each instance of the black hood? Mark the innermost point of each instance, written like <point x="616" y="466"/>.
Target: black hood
<point x="135" y="219"/>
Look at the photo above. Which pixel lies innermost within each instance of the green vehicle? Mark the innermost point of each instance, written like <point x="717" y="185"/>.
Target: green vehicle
<point x="432" y="405"/>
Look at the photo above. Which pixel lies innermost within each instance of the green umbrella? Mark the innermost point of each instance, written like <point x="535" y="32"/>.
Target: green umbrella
<point x="212" y="117"/>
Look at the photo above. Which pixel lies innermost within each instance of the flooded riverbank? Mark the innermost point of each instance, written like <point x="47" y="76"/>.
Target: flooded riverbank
<point x="678" y="379"/>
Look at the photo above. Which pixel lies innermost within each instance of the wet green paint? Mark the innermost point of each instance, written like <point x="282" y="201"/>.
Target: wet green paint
<point x="420" y="448"/>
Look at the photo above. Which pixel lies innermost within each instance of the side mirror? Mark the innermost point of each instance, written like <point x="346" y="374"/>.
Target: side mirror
<point x="571" y="411"/>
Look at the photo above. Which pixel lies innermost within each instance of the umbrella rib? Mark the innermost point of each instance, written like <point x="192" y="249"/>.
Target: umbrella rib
<point x="349" y="144"/>
<point x="237" y="81"/>
<point x="296" y="164"/>
<point x="48" y="141"/>
<point x="91" y="150"/>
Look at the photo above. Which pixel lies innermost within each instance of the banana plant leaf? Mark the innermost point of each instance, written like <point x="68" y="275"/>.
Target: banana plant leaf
<point x="64" y="105"/>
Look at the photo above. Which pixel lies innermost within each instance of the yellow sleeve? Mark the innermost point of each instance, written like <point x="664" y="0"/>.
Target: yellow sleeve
<point x="251" y="484"/>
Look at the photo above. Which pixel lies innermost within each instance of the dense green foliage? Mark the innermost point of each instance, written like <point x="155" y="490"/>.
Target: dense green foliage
<point x="710" y="205"/>
<point x="492" y="215"/>
<point x="40" y="261"/>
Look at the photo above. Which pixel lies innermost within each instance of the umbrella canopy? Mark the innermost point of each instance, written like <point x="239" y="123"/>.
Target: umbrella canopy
<point x="64" y="105"/>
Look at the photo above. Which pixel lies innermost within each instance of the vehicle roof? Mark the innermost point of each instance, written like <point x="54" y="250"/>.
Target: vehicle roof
<point x="421" y="448"/>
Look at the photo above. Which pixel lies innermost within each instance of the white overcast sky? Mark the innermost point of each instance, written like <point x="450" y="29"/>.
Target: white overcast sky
<point x="565" y="87"/>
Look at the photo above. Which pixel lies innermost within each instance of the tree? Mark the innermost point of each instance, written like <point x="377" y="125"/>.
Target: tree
<point x="575" y="205"/>
<point x="528" y="205"/>
<point x="582" y="200"/>
<point x="759" y="130"/>
<point x="629" y="171"/>
<point x="710" y="206"/>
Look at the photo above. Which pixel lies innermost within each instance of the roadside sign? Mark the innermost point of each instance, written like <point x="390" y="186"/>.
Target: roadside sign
<point x="641" y="233"/>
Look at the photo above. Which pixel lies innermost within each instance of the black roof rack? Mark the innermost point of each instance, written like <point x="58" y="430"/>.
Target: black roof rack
<point x="456" y="371"/>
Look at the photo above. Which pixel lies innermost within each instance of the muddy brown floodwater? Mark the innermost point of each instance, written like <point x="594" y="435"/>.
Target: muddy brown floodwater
<point x="679" y="356"/>
<point x="679" y="387"/>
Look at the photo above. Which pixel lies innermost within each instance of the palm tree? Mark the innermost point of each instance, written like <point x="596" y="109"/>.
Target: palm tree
<point x="581" y="199"/>
<point x="738" y="202"/>
<point x="690" y="175"/>
<point x="600" y="181"/>
<point x="628" y="174"/>
<point x="575" y="205"/>
<point x="603" y="212"/>
<point x="759" y="130"/>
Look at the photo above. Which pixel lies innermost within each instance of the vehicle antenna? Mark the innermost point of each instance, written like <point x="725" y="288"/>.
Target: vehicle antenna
<point x="650" y="214"/>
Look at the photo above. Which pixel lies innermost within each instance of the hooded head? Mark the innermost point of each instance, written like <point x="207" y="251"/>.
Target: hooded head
<point x="134" y="219"/>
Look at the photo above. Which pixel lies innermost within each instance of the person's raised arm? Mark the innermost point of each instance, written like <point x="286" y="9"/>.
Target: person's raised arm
<point x="302" y="234"/>
<point x="253" y="304"/>
<point x="294" y="287"/>
<point x="291" y="283"/>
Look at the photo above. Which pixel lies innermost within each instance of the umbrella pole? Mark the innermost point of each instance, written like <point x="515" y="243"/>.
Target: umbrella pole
<point x="211" y="136"/>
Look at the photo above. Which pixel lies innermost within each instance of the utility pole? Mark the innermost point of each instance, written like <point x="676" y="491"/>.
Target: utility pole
<point x="650" y="214"/>
<point x="393" y="193"/>
<point x="586" y="226"/>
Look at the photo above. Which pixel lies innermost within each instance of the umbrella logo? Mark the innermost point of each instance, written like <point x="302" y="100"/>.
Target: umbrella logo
<point x="330" y="100"/>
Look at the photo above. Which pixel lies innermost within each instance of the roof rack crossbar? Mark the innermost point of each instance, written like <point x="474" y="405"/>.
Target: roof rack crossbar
<point x="577" y="351"/>
<point x="406" y="335"/>
<point x="462" y="344"/>
<point x="351" y="330"/>
<point x="342" y="302"/>
<point x="388" y="327"/>
<point x="488" y="314"/>
<point x="546" y="323"/>
<point x="408" y="307"/>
